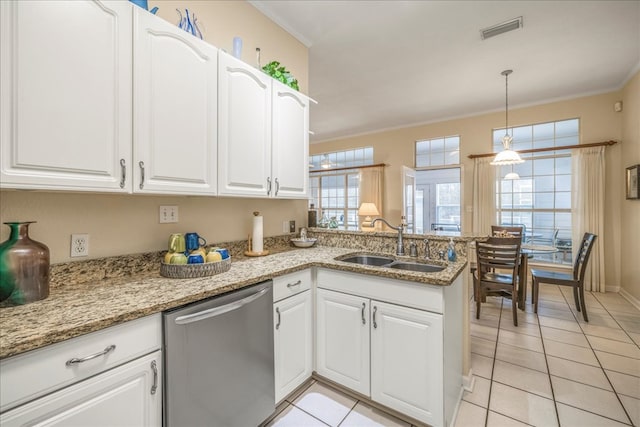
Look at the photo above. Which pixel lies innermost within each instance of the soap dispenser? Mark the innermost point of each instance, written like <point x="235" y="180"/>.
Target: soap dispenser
<point x="451" y="252"/>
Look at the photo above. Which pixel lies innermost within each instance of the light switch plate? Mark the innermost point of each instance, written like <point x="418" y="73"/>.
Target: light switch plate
<point x="168" y="214"/>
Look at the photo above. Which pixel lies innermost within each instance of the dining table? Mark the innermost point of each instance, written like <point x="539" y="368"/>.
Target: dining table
<point x="527" y="251"/>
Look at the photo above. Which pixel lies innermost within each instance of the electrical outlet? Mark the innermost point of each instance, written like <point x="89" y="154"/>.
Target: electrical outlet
<point x="285" y="226"/>
<point x="292" y="226"/>
<point x="79" y="245"/>
<point x="168" y="214"/>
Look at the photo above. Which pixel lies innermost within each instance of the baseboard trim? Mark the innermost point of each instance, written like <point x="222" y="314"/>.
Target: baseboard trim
<point x="468" y="381"/>
<point x="633" y="300"/>
<point x="612" y="288"/>
<point x="457" y="408"/>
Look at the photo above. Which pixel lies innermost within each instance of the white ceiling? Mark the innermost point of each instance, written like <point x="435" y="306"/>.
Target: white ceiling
<point x="382" y="64"/>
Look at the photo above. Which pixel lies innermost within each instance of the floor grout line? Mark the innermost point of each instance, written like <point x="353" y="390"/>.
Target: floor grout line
<point x="546" y="361"/>
<point x="493" y="366"/>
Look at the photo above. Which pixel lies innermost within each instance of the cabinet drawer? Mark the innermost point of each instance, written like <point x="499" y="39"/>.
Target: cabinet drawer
<point x="39" y="372"/>
<point x="417" y="295"/>
<point x="291" y="284"/>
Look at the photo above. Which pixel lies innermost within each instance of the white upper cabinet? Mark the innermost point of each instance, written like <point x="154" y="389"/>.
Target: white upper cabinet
<point x="175" y="109"/>
<point x="244" y="133"/>
<point x="104" y="96"/>
<point x="263" y="134"/>
<point x="65" y="94"/>
<point x="290" y="145"/>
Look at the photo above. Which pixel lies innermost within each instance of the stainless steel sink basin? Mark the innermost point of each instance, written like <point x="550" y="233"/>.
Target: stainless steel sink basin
<point x="389" y="262"/>
<point x="368" y="260"/>
<point x="414" y="266"/>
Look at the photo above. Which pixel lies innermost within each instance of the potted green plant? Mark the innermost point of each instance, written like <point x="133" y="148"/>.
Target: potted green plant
<point x="280" y="73"/>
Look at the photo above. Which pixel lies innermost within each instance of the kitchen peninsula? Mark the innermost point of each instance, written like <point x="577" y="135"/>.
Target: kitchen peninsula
<point x="86" y="297"/>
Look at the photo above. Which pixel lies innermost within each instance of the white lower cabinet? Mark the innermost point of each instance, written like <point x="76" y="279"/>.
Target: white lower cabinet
<point x="293" y="342"/>
<point x="381" y="338"/>
<point x="406" y="360"/>
<point x="129" y="395"/>
<point x="342" y="335"/>
<point x="293" y="331"/>
<point x="111" y="377"/>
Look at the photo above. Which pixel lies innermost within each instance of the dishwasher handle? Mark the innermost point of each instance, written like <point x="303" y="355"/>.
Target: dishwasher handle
<point x="216" y="311"/>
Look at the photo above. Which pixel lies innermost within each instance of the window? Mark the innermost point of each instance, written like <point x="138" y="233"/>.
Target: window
<point x="336" y="193"/>
<point x="438" y="151"/>
<point x="438" y="184"/>
<point x="541" y="198"/>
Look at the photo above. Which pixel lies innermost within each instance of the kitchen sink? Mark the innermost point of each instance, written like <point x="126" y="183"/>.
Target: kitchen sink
<point x="368" y="260"/>
<point x="415" y="266"/>
<point x="389" y="262"/>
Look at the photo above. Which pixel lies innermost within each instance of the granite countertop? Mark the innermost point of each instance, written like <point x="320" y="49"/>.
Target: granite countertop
<point x="77" y="309"/>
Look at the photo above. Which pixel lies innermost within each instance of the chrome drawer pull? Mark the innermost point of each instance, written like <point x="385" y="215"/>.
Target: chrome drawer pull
<point x="123" y="170"/>
<point x="268" y="186"/>
<point x="277" y="187"/>
<point x="104" y="352"/>
<point x="363" y="307"/>
<point x="278" y="323"/>
<point x="154" y="368"/>
<point x="291" y="285"/>
<point x="375" y="325"/>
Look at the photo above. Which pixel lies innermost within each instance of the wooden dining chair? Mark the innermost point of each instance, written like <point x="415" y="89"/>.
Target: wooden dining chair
<point x="576" y="279"/>
<point x="497" y="271"/>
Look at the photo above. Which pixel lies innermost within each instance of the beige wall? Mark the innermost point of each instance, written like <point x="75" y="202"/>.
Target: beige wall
<point x="598" y="123"/>
<point x="124" y="224"/>
<point x="221" y="21"/>
<point x="630" y="212"/>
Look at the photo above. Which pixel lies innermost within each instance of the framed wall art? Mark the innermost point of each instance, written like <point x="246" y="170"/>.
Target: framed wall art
<point x="633" y="186"/>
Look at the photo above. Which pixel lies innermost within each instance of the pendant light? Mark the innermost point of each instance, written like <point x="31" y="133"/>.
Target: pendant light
<point x="507" y="156"/>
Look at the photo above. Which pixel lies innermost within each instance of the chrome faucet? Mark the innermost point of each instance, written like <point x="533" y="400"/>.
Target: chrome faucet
<point x="399" y="229"/>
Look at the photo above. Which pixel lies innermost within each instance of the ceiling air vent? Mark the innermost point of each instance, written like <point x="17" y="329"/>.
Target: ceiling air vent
<point x="504" y="27"/>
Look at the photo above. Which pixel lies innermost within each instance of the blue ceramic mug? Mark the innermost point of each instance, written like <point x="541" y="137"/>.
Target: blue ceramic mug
<point x="195" y="259"/>
<point x="193" y="241"/>
<point x="223" y="252"/>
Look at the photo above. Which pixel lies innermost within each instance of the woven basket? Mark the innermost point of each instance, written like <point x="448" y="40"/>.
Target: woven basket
<point x="190" y="271"/>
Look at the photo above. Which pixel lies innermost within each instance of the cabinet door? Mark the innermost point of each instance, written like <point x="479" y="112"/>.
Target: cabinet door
<point x="175" y="109"/>
<point x="292" y="342"/>
<point x="244" y="129"/>
<point x="342" y="334"/>
<point x="407" y="361"/>
<point x="290" y="152"/>
<point x="65" y="95"/>
<point x="130" y="395"/>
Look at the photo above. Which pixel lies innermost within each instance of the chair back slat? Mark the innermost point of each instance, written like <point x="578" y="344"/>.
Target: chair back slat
<point x="582" y="257"/>
<point x="499" y="253"/>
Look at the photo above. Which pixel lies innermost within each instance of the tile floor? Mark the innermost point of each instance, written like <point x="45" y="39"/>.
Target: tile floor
<point x="553" y="369"/>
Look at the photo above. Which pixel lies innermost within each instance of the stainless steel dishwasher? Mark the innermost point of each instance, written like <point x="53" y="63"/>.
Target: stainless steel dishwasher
<point x="218" y="357"/>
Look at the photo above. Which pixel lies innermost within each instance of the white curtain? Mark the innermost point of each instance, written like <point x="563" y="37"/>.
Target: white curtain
<point x="371" y="186"/>
<point x="484" y="195"/>
<point x="588" y="167"/>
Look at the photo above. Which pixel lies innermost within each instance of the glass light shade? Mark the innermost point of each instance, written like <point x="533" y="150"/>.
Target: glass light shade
<point x="507" y="157"/>
<point x="512" y="175"/>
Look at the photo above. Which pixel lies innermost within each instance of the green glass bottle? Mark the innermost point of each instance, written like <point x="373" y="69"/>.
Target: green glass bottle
<point x="24" y="266"/>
